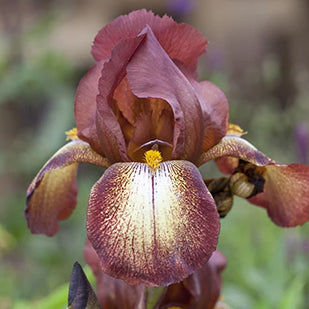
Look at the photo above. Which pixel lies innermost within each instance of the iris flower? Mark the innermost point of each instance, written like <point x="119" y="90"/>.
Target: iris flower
<point x="141" y="113"/>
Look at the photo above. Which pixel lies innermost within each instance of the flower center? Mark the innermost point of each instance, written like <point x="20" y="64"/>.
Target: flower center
<point x="153" y="159"/>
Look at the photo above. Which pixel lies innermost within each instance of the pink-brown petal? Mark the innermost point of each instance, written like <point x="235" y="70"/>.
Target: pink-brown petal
<point x="215" y="111"/>
<point x="108" y="128"/>
<point x="235" y="146"/>
<point x="180" y="41"/>
<point x="86" y="105"/>
<point x="51" y="196"/>
<point x="286" y="194"/>
<point x="112" y="292"/>
<point x="152" y="227"/>
<point x="151" y="73"/>
<point x="286" y="189"/>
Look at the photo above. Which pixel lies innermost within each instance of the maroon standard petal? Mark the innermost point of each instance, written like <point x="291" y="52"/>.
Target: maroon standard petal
<point x="85" y="106"/>
<point x="152" y="226"/>
<point x="52" y="194"/>
<point x="286" y="194"/>
<point x="151" y="73"/>
<point x="108" y="128"/>
<point x="215" y="110"/>
<point x="180" y="41"/>
<point x="111" y="292"/>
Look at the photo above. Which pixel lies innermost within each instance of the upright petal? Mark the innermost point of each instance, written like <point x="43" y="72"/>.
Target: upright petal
<point x="180" y="41"/>
<point x="151" y="73"/>
<point x="86" y="105"/>
<point x="52" y="194"/>
<point x="152" y="227"/>
<point x="108" y="128"/>
<point x="215" y="111"/>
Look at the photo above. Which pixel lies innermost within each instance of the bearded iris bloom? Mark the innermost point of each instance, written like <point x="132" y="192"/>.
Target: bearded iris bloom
<point x="141" y="113"/>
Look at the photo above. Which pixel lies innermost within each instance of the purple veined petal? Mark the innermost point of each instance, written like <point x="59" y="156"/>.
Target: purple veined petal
<point x="152" y="227"/>
<point x="51" y="195"/>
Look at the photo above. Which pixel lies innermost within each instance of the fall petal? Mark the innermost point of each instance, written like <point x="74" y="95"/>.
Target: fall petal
<point x="235" y="146"/>
<point x="111" y="292"/>
<point x="151" y="73"/>
<point x="286" y="194"/>
<point x="52" y="194"/>
<point x="180" y="41"/>
<point x="154" y="227"/>
<point x="109" y="130"/>
<point x="86" y="105"/>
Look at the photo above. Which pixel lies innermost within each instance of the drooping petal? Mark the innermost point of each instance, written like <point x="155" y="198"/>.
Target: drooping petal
<point x="235" y="146"/>
<point x="286" y="194"/>
<point x="108" y="127"/>
<point x="86" y="105"/>
<point x="81" y="294"/>
<point x="52" y="194"/>
<point x="112" y="292"/>
<point x="151" y="73"/>
<point x="155" y="227"/>
<point x="286" y="189"/>
<point x="199" y="291"/>
<point x="180" y="41"/>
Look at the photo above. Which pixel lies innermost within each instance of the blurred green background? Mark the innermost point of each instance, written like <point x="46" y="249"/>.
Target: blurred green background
<point x="258" y="55"/>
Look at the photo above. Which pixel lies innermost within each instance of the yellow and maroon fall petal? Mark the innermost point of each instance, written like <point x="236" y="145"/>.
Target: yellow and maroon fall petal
<point x="152" y="74"/>
<point x="112" y="292"/>
<point x="170" y="35"/>
<point x="286" y="194"/>
<point x="51" y="196"/>
<point x="152" y="225"/>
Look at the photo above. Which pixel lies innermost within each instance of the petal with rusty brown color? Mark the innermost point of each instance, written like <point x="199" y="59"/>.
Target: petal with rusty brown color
<point x="286" y="194"/>
<point x="85" y="106"/>
<point x="235" y="146"/>
<point x="112" y="292"/>
<point x="286" y="189"/>
<point x="215" y="110"/>
<point x="180" y="41"/>
<point x="152" y="227"/>
<point x="52" y="194"/>
<point x="151" y="73"/>
<point x="108" y="128"/>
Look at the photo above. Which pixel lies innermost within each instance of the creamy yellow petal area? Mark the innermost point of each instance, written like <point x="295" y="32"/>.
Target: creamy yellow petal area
<point x="152" y="227"/>
<point x="52" y="194"/>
